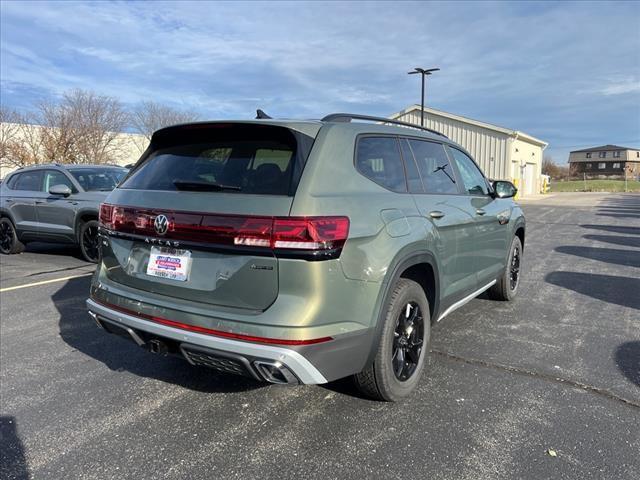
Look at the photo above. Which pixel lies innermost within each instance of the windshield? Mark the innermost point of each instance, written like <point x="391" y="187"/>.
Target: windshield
<point x="98" y="179"/>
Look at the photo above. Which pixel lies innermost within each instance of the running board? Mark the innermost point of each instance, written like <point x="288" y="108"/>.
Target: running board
<point x="466" y="299"/>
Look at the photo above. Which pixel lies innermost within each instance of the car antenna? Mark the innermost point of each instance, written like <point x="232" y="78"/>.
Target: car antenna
<point x="261" y="115"/>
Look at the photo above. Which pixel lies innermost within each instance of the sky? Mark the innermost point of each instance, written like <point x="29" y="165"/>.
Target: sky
<point x="567" y="73"/>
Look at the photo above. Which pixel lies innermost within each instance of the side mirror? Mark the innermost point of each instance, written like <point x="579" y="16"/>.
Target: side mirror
<point x="63" y="190"/>
<point x="504" y="189"/>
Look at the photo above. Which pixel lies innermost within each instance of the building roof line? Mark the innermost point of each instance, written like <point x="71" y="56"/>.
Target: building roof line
<point x="601" y="148"/>
<point x="478" y="123"/>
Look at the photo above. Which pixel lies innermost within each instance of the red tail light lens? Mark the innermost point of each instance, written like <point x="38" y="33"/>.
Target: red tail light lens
<point x="310" y="233"/>
<point x="319" y="235"/>
<point x="106" y="212"/>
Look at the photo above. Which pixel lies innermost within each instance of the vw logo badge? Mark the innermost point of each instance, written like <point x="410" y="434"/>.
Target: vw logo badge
<point x="161" y="224"/>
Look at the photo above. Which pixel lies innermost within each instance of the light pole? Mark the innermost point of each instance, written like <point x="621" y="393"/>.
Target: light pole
<point x="423" y="72"/>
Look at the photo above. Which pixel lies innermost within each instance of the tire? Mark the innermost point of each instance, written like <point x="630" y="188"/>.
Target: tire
<point x="381" y="380"/>
<point x="9" y="243"/>
<point x="89" y="241"/>
<point x="506" y="288"/>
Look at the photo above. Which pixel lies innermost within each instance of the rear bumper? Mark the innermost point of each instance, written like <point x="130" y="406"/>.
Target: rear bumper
<point x="223" y="354"/>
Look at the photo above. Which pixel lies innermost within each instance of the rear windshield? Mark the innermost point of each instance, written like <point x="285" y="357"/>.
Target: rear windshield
<point x="235" y="158"/>
<point x="98" y="179"/>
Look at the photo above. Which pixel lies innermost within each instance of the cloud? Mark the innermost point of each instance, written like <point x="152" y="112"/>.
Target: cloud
<point x="622" y="87"/>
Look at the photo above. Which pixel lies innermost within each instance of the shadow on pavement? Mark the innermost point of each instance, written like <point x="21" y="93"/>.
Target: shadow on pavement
<point x="619" y="215"/>
<point x="628" y="360"/>
<point x="13" y="464"/>
<point x="614" y="229"/>
<point x="621" y="208"/>
<point x="54" y="249"/>
<point x="608" y="288"/>
<point x="615" y="256"/>
<point x="81" y="333"/>
<point x="616" y="240"/>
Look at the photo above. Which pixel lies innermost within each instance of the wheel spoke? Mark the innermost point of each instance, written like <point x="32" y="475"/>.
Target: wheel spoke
<point x="413" y="355"/>
<point x="398" y="364"/>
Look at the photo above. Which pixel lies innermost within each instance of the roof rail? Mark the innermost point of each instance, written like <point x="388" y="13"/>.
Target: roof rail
<point x="347" y="117"/>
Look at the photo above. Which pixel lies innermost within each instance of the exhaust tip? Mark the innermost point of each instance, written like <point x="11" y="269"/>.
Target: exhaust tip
<point x="158" y="346"/>
<point x="275" y="372"/>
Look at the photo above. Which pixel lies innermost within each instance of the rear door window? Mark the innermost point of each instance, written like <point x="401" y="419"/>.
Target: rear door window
<point x="378" y="159"/>
<point x="239" y="159"/>
<point x="436" y="171"/>
<point x="26" y="181"/>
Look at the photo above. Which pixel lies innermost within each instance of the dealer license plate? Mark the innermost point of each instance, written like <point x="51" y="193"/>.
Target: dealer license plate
<point x="169" y="263"/>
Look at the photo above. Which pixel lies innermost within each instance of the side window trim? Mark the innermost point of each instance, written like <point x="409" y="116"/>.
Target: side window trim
<point x="415" y="165"/>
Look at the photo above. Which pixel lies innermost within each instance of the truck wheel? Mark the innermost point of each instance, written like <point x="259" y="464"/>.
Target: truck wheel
<point x="90" y="241"/>
<point x="403" y="347"/>
<point x="9" y="242"/>
<point x="506" y="287"/>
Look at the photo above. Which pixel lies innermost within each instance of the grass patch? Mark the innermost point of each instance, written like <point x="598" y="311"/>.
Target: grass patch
<point x="595" y="186"/>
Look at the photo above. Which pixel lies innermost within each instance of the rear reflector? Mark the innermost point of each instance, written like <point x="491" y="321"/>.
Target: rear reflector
<point x="210" y="331"/>
<point x="323" y="237"/>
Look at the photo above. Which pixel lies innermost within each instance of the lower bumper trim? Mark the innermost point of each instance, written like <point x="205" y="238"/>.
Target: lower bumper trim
<point x="296" y="364"/>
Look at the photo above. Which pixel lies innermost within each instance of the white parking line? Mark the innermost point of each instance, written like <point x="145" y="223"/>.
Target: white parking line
<point x="44" y="282"/>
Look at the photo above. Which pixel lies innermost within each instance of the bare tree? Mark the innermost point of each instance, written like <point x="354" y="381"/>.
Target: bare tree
<point x="82" y="128"/>
<point x="148" y="117"/>
<point x="20" y="140"/>
<point x="549" y="167"/>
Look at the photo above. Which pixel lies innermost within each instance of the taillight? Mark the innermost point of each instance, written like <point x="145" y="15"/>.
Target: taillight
<point x="310" y="233"/>
<point x="106" y="211"/>
<point x="304" y="237"/>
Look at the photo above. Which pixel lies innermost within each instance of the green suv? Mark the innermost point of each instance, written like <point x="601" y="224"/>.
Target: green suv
<point x="302" y="251"/>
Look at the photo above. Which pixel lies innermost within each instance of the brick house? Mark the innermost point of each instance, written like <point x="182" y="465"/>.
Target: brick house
<point x="605" y="161"/>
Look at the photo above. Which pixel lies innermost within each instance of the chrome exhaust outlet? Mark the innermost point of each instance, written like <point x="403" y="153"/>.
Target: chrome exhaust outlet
<point x="108" y="326"/>
<point x="96" y="319"/>
<point x="275" y="372"/>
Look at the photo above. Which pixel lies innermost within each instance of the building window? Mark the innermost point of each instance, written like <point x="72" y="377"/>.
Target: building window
<point x="616" y="154"/>
<point x="602" y="154"/>
<point x="616" y="165"/>
<point x="588" y="154"/>
<point x="602" y="166"/>
<point x="589" y="165"/>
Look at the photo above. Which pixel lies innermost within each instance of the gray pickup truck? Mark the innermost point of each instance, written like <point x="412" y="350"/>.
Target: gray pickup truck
<point x="55" y="203"/>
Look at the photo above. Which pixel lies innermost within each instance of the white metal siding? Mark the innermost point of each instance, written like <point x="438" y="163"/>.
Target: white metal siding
<point x="489" y="148"/>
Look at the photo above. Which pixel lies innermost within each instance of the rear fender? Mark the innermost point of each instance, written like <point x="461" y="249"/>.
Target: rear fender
<point x="402" y="262"/>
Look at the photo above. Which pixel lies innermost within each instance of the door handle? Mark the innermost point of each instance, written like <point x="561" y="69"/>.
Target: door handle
<point x="8" y="200"/>
<point x="480" y="211"/>
<point x="38" y="202"/>
<point x="436" y="214"/>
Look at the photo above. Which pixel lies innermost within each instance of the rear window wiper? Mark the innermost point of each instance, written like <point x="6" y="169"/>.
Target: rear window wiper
<point x="203" y="186"/>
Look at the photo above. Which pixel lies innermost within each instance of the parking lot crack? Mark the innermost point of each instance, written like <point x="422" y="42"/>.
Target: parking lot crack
<point x="544" y="376"/>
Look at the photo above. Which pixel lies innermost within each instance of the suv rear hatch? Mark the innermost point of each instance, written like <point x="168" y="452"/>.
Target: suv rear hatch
<point x="204" y="214"/>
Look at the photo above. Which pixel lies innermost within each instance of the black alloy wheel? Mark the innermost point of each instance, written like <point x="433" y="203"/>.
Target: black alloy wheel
<point x="90" y="241"/>
<point x="7" y="237"/>
<point x="514" y="268"/>
<point x="407" y="341"/>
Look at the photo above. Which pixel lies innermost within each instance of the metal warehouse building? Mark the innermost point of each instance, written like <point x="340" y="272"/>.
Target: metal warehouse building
<point x="503" y="154"/>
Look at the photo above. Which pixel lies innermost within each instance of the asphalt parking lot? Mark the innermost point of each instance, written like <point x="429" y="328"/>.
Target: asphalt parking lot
<point x="559" y="368"/>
